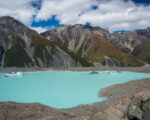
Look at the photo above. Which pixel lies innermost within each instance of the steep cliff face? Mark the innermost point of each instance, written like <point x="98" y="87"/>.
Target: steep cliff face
<point x="70" y="46"/>
<point x="129" y="42"/>
<point x="144" y="32"/>
<point x="135" y="43"/>
<point x="96" y="45"/>
<point x="23" y="47"/>
<point x="144" y="54"/>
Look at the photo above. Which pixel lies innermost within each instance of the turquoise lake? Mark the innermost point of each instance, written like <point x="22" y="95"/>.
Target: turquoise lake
<point x="60" y="89"/>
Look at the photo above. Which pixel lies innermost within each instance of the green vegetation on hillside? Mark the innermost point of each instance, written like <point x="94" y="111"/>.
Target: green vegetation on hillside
<point x="75" y="56"/>
<point x="1" y="54"/>
<point x="16" y="56"/>
<point x="39" y="43"/>
<point x="18" y="41"/>
<point x="103" y="48"/>
<point x="0" y="59"/>
<point x="144" y="54"/>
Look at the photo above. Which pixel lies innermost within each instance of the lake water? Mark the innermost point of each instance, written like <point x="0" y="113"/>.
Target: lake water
<point x="61" y="89"/>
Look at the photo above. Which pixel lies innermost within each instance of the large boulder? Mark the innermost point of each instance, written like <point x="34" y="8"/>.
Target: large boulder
<point x="134" y="112"/>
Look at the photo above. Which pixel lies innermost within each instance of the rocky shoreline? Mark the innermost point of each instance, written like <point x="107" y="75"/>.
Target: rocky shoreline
<point x="143" y="69"/>
<point x="127" y="101"/>
<point x="130" y="101"/>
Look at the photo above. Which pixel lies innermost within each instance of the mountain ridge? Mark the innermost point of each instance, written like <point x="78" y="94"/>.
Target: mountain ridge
<point x="75" y="38"/>
<point x="70" y="46"/>
<point x="23" y="47"/>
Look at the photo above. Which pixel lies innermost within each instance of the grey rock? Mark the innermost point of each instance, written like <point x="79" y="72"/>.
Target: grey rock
<point x="134" y="113"/>
<point x="12" y="33"/>
<point x="82" y="40"/>
<point x="144" y="32"/>
<point x="75" y="45"/>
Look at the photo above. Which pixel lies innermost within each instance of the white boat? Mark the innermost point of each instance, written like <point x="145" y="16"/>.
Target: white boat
<point x="9" y="74"/>
<point x="112" y="72"/>
<point x="18" y="73"/>
<point x="12" y="74"/>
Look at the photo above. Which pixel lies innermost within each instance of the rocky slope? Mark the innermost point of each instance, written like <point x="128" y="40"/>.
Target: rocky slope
<point x="144" y="32"/>
<point x="23" y="47"/>
<point x="70" y="46"/>
<point x="130" y="101"/>
<point x="99" y="46"/>
<point x="144" y="53"/>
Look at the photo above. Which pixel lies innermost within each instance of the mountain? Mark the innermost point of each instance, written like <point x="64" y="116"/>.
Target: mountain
<point x="23" y="47"/>
<point x="144" y="54"/>
<point x="70" y="46"/>
<point x="97" y="45"/>
<point x="144" y="32"/>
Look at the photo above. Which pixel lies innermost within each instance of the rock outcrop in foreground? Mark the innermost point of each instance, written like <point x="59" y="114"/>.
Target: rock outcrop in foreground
<point x="129" y="101"/>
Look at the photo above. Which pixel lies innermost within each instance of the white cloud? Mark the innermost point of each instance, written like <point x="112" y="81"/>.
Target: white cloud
<point x="111" y="14"/>
<point x="19" y="9"/>
<point x="39" y="29"/>
<point x="42" y="29"/>
<point x="66" y="10"/>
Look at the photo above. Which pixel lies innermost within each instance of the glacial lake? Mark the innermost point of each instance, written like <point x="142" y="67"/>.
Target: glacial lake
<point x="61" y="89"/>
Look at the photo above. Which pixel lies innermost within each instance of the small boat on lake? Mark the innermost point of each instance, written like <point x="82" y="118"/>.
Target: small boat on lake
<point x="12" y="74"/>
<point x="112" y="72"/>
<point x="9" y="74"/>
<point x="94" y="72"/>
<point x="18" y="73"/>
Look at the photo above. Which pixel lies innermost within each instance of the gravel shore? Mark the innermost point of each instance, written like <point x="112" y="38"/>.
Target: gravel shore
<point x="133" y="69"/>
<point x="119" y="98"/>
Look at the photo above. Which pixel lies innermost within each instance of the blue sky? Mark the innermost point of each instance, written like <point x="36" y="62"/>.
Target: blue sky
<point x="146" y="2"/>
<point x="113" y="15"/>
<point x="52" y="22"/>
<point x="48" y="23"/>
